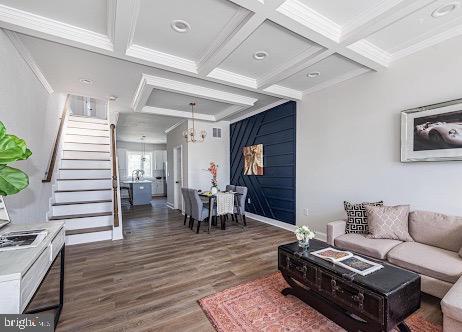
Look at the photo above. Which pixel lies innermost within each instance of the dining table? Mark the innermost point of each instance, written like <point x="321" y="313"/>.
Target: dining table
<point x="212" y="200"/>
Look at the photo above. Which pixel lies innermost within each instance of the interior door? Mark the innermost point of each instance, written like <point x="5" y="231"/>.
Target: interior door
<point x="178" y="178"/>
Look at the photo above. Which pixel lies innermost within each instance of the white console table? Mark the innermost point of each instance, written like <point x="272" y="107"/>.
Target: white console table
<point x="22" y="271"/>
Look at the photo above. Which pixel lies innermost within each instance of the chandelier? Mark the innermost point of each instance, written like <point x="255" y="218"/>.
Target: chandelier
<point x="190" y="134"/>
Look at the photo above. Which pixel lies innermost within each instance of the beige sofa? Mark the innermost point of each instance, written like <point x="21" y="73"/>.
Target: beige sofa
<point x="435" y="255"/>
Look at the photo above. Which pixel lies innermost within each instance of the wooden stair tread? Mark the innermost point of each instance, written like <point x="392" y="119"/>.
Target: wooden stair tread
<point x="79" y="190"/>
<point x="83" y="215"/>
<point x="83" y="179"/>
<point x="88" y="230"/>
<point x="82" y="202"/>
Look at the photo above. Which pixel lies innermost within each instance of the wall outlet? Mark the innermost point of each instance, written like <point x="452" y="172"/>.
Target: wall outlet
<point x="305" y="212"/>
<point x="248" y="200"/>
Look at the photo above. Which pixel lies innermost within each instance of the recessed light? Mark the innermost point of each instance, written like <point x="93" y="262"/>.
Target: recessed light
<point x="260" y="55"/>
<point x="445" y="9"/>
<point x="86" y="81"/>
<point x="180" y="26"/>
<point x="313" y="74"/>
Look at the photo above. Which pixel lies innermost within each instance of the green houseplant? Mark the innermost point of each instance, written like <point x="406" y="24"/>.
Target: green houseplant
<point x="12" y="148"/>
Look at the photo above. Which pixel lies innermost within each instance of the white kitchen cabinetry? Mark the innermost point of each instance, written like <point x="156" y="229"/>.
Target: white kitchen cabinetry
<point x="160" y="156"/>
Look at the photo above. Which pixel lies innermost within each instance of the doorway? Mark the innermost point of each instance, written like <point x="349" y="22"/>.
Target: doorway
<point x="177" y="177"/>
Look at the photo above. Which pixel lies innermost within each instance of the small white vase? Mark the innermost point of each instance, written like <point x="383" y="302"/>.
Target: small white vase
<point x="214" y="190"/>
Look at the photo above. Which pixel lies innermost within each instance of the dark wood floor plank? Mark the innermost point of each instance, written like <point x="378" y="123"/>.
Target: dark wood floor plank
<point x="151" y="280"/>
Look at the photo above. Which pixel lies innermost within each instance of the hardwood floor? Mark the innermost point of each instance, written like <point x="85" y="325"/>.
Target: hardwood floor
<point x="151" y="280"/>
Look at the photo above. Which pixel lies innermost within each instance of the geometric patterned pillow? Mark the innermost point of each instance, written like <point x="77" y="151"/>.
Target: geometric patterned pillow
<point x="357" y="217"/>
<point x="389" y="222"/>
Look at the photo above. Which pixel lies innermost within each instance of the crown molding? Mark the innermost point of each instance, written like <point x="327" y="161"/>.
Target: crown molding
<point x="262" y="109"/>
<point x="283" y="91"/>
<point x="311" y="19"/>
<point x="141" y="95"/>
<point x="371" y="51"/>
<point x="179" y="123"/>
<point x="231" y="77"/>
<point x="176" y="113"/>
<point x="230" y="111"/>
<point x="39" y="26"/>
<point x="336" y="80"/>
<point x="25" y="54"/>
<point x="165" y="59"/>
<point x="198" y="91"/>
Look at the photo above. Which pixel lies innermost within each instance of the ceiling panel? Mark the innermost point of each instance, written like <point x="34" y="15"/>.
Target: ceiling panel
<point x="329" y="68"/>
<point x="415" y="27"/>
<point x="180" y="102"/>
<point x="87" y="14"/>
<point x="207" y="18"/>
<point x="131" y="126"/>
<point x="341" y="11"/>
<point x="281" y="45"/>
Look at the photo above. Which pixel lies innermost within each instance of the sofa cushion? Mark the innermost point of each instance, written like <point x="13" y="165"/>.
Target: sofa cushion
<point x="389" y="222"/>
<point x="451" y="304"/>
<point x="361" y="244"/>
<point x="357" y="218"/>
<point x="431" y="261"/>
<point x="436" y="229"/>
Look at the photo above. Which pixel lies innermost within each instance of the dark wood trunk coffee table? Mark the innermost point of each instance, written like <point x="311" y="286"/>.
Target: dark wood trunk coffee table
<point x="380" y="301"/>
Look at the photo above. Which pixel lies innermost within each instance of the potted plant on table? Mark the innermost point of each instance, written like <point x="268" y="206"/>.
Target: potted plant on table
<point x="304" y="234"/>
<point x="12" y="148"/>
<point x="213" y="169"/>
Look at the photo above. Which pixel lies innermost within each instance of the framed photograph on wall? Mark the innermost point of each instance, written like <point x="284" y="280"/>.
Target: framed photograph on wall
<point x="432" y="133"/>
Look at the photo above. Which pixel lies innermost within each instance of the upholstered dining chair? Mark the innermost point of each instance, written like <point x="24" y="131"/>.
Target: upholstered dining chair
<point x="230" y="187"/>
<point x="239" y="209"/>
<point x="199" y="211"/>
<point x="187" y="203"/>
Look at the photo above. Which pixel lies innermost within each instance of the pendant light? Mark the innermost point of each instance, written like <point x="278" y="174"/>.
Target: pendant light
<point x="190" y="134"/>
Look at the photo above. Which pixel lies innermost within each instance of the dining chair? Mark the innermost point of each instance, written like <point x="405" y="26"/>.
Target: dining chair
<point x="230" y="187"/>
<point x="239" y="209"/>
<point x="199" y="212"/>
<point x="187" y="204"/>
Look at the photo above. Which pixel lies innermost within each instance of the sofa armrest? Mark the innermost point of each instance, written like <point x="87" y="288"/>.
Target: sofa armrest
<point x="451" y="304"/>
<point x="335" y="229"/>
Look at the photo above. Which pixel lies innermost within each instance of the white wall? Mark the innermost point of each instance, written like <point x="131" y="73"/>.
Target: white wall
<point x="349" y="140"/>
<point x="28" y="111"/>
<point x="212" y="149"/>
<point x="174" y="139"/>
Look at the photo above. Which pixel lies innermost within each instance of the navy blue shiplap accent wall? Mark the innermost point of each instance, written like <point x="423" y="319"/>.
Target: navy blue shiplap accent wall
<point x="271" y="195"/>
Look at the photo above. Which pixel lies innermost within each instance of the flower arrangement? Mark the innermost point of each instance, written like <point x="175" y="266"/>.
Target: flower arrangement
<point x="213" y="169"/>
<point x="304" y="235"/>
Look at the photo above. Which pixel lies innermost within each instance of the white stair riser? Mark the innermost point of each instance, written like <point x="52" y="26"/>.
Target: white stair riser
<point x="85" y="164"/>
<point x="85" y="155"/>
<point x="72" y="209"/>
<point x="82" y="196"/>
<point x="85" y="174"/>
<point x="87" y="119"/>
<point x="86" y="139"/>
<point x="86" y="147"/>
<point x="90" y="222"/>
<point x="84" y="184"/>
<point x="88" y="237"/>
<point x="87" y="125"/>
<point x="87" y="132"/>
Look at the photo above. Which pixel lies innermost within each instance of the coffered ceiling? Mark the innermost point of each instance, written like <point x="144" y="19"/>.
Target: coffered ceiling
<point x="233" y="56"/>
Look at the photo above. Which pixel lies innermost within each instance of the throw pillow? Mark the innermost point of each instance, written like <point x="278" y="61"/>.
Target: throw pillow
<point x="389" y="222"/>
<point x="357" y="218"/>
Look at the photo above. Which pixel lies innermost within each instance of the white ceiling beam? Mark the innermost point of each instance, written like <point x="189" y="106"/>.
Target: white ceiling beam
<point x="124" y="14"/>
<point x="176" y="113"/>
<point x="336" y="80"/>
<point x="174" y="126"/>
<point x="282" y="91"/>
<point x="197" y="91"/>
<point x="230" y="111"/>
<point x="259" y="110"/>
<point x="46" y="28"/>
<point x="141" y="95"/>
<point x="24" y="52"/>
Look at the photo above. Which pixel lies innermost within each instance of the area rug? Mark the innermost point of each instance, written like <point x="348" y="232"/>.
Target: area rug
<point x="259" y="306"/>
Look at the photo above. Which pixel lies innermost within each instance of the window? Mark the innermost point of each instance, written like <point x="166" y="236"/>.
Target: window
<point x="134" y="162"/>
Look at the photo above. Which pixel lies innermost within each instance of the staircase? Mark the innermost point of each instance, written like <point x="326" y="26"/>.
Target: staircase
<point x="82" y="192"/>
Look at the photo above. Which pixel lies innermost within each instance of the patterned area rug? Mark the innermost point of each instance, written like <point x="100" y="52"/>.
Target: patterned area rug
<point x="259" y="306"/>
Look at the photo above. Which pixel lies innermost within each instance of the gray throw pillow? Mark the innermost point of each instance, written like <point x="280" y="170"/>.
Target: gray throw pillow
<point x="357" y="218"/>
<point x="388" y="222"/>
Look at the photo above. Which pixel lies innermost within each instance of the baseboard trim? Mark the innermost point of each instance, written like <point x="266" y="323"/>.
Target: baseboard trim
<point x="288" y="227"/>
